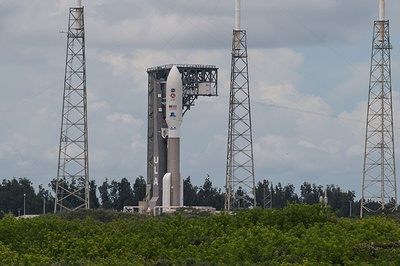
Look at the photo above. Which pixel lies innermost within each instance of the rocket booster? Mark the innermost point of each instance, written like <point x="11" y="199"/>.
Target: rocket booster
<point x="173" y="118"/>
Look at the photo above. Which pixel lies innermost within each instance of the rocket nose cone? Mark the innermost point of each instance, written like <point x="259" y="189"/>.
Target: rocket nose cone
<point x="174" y="78"/>
<point x="174" y="71"/>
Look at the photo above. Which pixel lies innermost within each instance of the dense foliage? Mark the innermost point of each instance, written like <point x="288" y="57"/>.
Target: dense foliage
<point x="298" y="234"/>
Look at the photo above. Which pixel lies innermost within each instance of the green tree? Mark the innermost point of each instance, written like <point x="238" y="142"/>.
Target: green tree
<point x="139" y="190"/>
<point x="12" y="196"/>
<point x="94" y="200"/>
<point x="298" y="234"/>
<point x="263" y="194"/>
<point x="114" y="194"/>
<point x="189" y="193"/>
<point x="126" y="197"/>
<point x="289" y="195"/>
<point x="339" y="200"/>
<point x="121" y="194"/>
<point x="45" y="200"/>
<point x="106" y="202"/>
<point x="210" y="196"/>
<point x="310" y="194"/>
<point x="15" y="194"/>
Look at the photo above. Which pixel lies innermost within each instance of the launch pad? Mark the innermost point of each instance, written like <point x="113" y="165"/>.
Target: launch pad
<point x="197" y="80"/>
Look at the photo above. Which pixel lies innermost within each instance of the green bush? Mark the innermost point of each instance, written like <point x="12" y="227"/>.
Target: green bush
<point x="295" y="235"/>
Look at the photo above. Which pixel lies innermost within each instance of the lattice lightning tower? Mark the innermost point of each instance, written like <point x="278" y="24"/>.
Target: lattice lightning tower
<point x="240" y="182"/>
<point x="379" y="175"/>
<point x="72" y="184"/>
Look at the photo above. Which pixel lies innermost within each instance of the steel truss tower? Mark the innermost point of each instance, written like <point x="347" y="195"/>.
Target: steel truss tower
<point x="72" y="184"/>
<point x="197" y="80"/>
<point x="379" y="175"/>
<point x="240" y="182"/>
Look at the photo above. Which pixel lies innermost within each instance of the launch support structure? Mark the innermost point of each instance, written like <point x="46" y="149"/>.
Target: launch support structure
<point x="379" y="190"/>
<point x="197" y="81"/>
<point x="240" y="182"/>
<point x="72" y="183"/>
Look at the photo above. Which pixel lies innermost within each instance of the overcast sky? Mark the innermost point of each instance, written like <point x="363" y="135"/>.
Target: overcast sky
<point x="309" y="69"/>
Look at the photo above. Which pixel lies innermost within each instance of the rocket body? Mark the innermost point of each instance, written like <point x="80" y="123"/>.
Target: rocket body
<point x="173" y="166"/>
<point x="174" y="120"/>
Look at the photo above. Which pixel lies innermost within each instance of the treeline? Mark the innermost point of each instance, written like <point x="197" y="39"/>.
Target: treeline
<point x="117" y="194"/>
<point x="276" y="197"/>
<point x="18" y="196"/>
<point x="15" y="194"/>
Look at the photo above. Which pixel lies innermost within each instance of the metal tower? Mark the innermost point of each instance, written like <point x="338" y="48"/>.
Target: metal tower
<point x="240" y="180"/>
<point x="72" y="184"/>
<point x="379" y="175"/>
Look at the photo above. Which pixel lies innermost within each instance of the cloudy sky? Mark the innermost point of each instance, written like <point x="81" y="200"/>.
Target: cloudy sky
<point x="309" y="70"/>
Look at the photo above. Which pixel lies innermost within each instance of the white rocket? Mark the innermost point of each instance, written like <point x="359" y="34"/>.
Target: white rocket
<point x="172" y="181"/>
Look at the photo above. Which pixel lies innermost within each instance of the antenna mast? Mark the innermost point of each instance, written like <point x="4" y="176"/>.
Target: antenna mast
<point x="240" y="182"/>
<point x="72" y="183"/>
<point x="379" y="175"/>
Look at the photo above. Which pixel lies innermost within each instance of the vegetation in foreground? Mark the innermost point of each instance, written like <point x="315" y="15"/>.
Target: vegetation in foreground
<point x="298" y="234"/>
